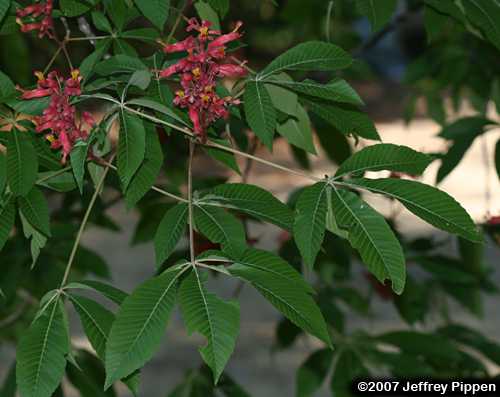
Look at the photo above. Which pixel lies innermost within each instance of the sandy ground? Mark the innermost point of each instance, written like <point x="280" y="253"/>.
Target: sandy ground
<point x="273" y="374"/>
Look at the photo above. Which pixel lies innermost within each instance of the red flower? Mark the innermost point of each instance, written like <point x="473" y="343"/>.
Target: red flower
<point x="199" y="72"/>
<point x="58" y="120"/>
<point x="494" y="220"/>
<point x="37" y="16"/>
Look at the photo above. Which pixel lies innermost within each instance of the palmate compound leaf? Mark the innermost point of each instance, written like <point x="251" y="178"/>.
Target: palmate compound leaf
<point x="369" y="233"/>
<point x="41" y="353"/>
<point x="385" y="156"/>
<point x="254" y="201"/>
<point x="169" y="232"/>
<point x="283" y="289"/>
<point x="212" y="317"/>
<point x="432" y="205"/>
<point x="260" y="112"/>
<point x="312" y="55"/>
<point x="310" y="220"/>
<point x="140" y="324"/>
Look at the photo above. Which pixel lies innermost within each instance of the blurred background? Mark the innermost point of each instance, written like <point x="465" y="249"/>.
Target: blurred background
<point x="415" y="83"/>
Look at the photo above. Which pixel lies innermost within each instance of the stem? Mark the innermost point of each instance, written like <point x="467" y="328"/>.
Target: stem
<point x="190" y="200"/>
<point x="89" y="38"/>
<point x="54" y="174"/>
<point x="176" y="23"/>
<point x="83" y="224"/>
<point x="52" y="60"/>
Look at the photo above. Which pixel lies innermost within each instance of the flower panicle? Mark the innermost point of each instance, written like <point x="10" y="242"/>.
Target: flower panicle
<point x="37" y="17"/>
<point x="199" y="72"/>
<point x="59" y="121"/>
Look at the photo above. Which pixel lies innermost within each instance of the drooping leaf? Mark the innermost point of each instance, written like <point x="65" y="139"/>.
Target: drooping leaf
<point x="369" y="233"/>
<point x="212" y="317"/>
<point x="348" y="367"/>
<point x="345" y="118"/>
<point x="3" y="173"/>
<point x="207" y="13"/>
<point x="378" y="12"/>
<point x="148" y="171"/>
<point x="140" y="325"/>
<point x="131" y="147"/>
<point x="260" y="112"/>
<point x="484" y="14"/>
<point x="155" y="10"/>
<point x="35" y="210"/>
<point x="432" y="205"/>
<point x="78" y="158"/>
<point x="7" y="218"/>
<point x="313" y="372"/>
<point x="385" y="156"/>
<point x="283" y="99"/>
<point x="112" y="293"/>
<point x="312" y="55"/>
<point x="269" y="263"/>
<point x="96" y="321"/>
<point x="41" y="353"/>
<point x="309" y="226"/>
<point x="464" y="127"/>
<point x="22" y="163"/>
<point x="38" y="240"/>
<point x="170" y="231"/>
<point x="253" y="201"/>
<point x="288" y="297"/>
<point x="219" y="226"/>
<point x="297" y="131"/>
<point x="223" y="156"/>
<point x="337" y="90"/>
<point x="4" y="7"/>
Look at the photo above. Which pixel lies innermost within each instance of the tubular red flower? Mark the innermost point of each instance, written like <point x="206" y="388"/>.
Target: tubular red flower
<point x="37" y="17"/>
<point x="199" y="72"/>
<point x="58" y="121"/>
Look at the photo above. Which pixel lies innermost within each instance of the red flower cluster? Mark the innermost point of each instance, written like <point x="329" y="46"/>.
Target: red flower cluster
<point x="59" y="118"/>
<point x="199" y="72"/>
<point x="38" y="17"/>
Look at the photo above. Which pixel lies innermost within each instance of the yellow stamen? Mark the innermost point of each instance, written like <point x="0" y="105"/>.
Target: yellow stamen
<point x="204" y="31"/>
<point x="75" y="74"/>
<point x="39" y="76"/>
<point x="196" y="72"/>
<point x="205" y="98"/>
<point x="50" y="138"/>
<point x="19" y="21"/>
<point x="180" y="93"/>
<point x="208" y="88"/>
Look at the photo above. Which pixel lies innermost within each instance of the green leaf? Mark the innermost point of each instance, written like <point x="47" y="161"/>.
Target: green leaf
<point x="385" y="156"/>
<point x="284" y="100"/>
<point x="88" y="64"/>
<point x="169" y="232"/>
<point x="131" y="147"/>
<point x="298" y="131"/>
<point x="117" y="11"/>
<point x="219" y="226"/>
<point x="348" y="367"/>
<point x="78" y="158"/>
<point x="345" y="118"/>
<point x="370" y="234"/>
<point x="312" y="55"/>
<point x="96" y="321"/>
<point x="73" y="8"/>
<point x="41" y="353"/>
<point x="454" y="155"/>
<point x="62" y="183"/>
<point x="212" y="317"/>
<point x="119" y="64"/>
<point x="22" y="163"/>
<point x="485" y="15"/>
<point x="9" y="386"/>
<point x="288" y="297"/>
<point x="432" y="205"/>
<point x="310" y="221"/>
<point x="4" y="8"/>
<point x="272" y="265"/>
<point x="139" y="326"/>
<point x="378" y="12"/>
<point x="38" y="240"/>
<point x="101" y="22"/>
<point x="313" y="372"/>
<point x="337" y="90"/>
<point x="35" y="209"/>
<point x="112" y="293"/>
<point x="260" y="112"/>
<point x="155" y="10"/>
<point x="148" y="171"/>
<point x="466" y="126"/>
<point x="7" y="87"/>
<point x="7" y="218"/>
<point x="223" y="156"/>
<point x="140" y="79"/>
<point x="143" y="34"/>
<point x="254" y="201"/>
<point x="221" y="6"/>
<point x="207" y="13"/>
<point x="157" y="106"/>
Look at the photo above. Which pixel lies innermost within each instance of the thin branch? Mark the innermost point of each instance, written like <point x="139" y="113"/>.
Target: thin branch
<point x="83" y="224"/>
<point x="190" y="200"/>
